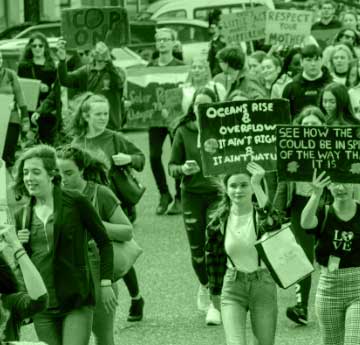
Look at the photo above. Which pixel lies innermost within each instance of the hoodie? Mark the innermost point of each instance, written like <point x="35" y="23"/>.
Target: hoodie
<point x="302" y="92"/>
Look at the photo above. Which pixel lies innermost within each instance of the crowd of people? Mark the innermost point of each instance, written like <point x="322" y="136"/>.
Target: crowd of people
<point x="67" y="212"/>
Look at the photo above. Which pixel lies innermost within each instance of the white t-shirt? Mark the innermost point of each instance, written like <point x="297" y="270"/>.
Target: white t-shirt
<point x="240" y="241"/>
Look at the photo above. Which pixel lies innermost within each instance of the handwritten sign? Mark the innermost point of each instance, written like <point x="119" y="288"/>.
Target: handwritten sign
<point x="301" y="149"/>
<point x="6" y="105"/>
<point x="82" y="28"/>
<point x="31" y="90"/>
<point x="244" y="26"/>
<point x="235" y="133"/>
<point x="287" y="27"/>
<point x="155" y="96"/>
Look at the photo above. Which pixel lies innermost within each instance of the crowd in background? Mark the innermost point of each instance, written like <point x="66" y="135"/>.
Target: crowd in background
<point x="60" y="162"/>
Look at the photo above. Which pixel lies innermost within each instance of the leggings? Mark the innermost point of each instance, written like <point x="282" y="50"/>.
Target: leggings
<point x="71" y="328"/>
<point x="337" y="305"/>
<point x="196" y="207"/>
<point x="157" y="136"/>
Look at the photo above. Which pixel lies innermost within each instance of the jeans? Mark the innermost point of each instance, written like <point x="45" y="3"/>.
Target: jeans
<point x="196" y="208"/>
<point x="255" y="292"/>
<point x="103" y="324"/>
<point x="337" y="306"/>
<point x="157" y="136"/>
<point x="58" y="328"/>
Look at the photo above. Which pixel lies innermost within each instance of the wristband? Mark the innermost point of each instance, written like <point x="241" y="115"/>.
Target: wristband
<point x="19" y="252"/>
<point x="20" y="256"/>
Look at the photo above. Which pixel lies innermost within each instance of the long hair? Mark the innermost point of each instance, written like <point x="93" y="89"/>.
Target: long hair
<point x="353" y="64"/>
<point x="93" y="168"/>
<point x="344" y="112"/>
<point x="337" y="48"/>
<point x="190" y="115"/>
<point x="287" y="62"/>
<point x="78" y="125"/>
<point x="47" y="155"/>
<point x="28" y="55"/>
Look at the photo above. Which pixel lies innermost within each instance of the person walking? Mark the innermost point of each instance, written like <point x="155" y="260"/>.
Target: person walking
<point x="55" y="234"/>
<point x="81" y="172"/>
<point x="89" y="129"/>
<point x="238" y="280"/>
<point x="165" y="41"/>
<point x="336" y="229"/>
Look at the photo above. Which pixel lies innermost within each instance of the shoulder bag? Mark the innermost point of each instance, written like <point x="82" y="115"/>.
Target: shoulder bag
<point x="124" y="183"/>
<point x="125" y="253"/>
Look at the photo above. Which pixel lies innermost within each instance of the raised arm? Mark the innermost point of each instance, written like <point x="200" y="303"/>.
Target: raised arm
<point x="309" y="219"/>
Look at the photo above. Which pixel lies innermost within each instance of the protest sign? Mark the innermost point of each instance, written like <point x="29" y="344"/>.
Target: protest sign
<point x="287" y="27"/>
<point x="6" y="105"/>
<point x="82" y="28"/>
<point x="31" y="90"/>
<point x="155" y="96"/>
<point x="248" y="25"/>
<point x="232" y="134"/>
<point x="301" y="149"/>
<point x="325" y="37"/>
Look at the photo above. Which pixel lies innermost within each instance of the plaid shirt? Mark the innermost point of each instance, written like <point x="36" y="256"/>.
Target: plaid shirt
<point x="215" y="255"/>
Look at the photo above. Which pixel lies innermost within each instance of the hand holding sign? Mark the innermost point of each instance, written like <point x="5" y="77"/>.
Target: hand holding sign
<point x="257" y="173"/>
<point x="320" y="182"/>
<point x="61" y="51"/>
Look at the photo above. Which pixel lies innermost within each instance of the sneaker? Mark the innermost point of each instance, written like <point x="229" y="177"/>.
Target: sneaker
<point x="213" y="316"/>
<point x="175" y="207"/>
<point x="203" y="299"/>
<point x="136" y="310"/>
<point x="298" y="314"/>
<point x="165" y="200"/>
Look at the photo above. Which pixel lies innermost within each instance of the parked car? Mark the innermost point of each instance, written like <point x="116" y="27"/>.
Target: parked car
<point x="199" y="9"/>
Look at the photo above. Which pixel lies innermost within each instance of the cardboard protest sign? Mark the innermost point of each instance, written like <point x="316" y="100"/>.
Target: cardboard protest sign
<point x="31" y="90"/>
<point x="248" y="25"/>
<point x="232" y="134"/>
<point x="155" y="96"/>
<point x="82" y="28"/>
<point x="6" y="105"/>
<point x="324" y="37"/>
<point x="287" y="27"/>
<point x="301" y="149"/>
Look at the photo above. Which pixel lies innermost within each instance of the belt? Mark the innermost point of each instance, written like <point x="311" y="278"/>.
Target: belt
<point x="256" y="275"/>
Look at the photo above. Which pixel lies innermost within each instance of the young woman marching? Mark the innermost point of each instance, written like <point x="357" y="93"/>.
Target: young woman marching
<point x="82" y="172"/>
<point x="198" y="193"/>
<point x="55" y="228"/>
<point x="234" y="269"/>
<point x="89" y="127"/>
<point x="337" y="251"/>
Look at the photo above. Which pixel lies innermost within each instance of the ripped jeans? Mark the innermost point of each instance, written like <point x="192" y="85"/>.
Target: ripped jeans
<point x="196" y="207"/>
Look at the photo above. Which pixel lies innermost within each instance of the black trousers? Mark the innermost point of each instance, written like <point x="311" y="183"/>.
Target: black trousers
<point x="157" y="137"/>
<point x="11" y="141"/>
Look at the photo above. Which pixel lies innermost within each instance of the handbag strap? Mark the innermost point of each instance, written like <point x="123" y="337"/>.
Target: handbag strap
<point x="327" y="207"/>
<point x="257" y="236"/>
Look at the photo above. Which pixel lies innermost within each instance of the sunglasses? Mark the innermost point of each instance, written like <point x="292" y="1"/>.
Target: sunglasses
<point x="37" y="46"/>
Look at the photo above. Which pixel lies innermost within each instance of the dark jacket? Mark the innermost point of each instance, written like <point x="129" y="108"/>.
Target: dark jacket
<point x="47" y="74"/>
<point x="215" y="255"/>
<point x="184" y="148"/>
<point x="249" y="86"/>
<point x="75" y="220"/>
<point x="214" y="47"/>
<point x="302" y="92"/>
<point x="108" y="82"/>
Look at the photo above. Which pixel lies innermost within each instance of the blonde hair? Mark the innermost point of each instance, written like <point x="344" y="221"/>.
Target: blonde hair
<point x="337" y="48"/>
<point x="169" y="31"/>
<point x="189" y="78"/>
<point x="78" y="125"/>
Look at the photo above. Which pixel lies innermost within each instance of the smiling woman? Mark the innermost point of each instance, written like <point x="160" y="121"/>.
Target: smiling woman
<point x="58" y="251"/>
